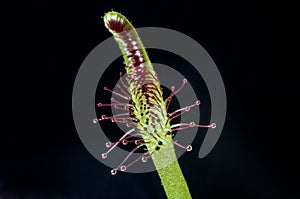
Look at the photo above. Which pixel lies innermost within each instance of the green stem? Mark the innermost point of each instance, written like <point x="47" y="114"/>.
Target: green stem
<point x="170" y="173"/>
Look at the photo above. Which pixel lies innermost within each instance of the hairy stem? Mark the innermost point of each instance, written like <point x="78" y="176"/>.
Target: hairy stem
<point x="170" y="174"/>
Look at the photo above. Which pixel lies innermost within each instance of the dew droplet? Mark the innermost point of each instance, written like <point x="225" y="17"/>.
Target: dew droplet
<point x="192" y="124"/>
<point x="213" y="125"/>
<point x="144" y="159"/>
<point x="99" y="104"/>
<point x="104" y="155"/>
<point x="113" y="172"/>
<point x="123" y="168"/>
<point x="108" y="144"/>
<point x="137" y="142"/>
<point x="125" y="142"/>
<point x="189" y="148"/>
<point x="95" y="120"/>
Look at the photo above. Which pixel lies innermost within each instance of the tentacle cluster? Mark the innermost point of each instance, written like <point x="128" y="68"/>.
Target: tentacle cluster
<point x="146" y="110"/>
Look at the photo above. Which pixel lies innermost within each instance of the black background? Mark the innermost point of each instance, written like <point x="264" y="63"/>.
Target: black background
<point x="45" y="43"/>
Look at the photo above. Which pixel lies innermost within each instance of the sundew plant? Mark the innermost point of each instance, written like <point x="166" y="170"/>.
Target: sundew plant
<point x="146" y="111"/>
